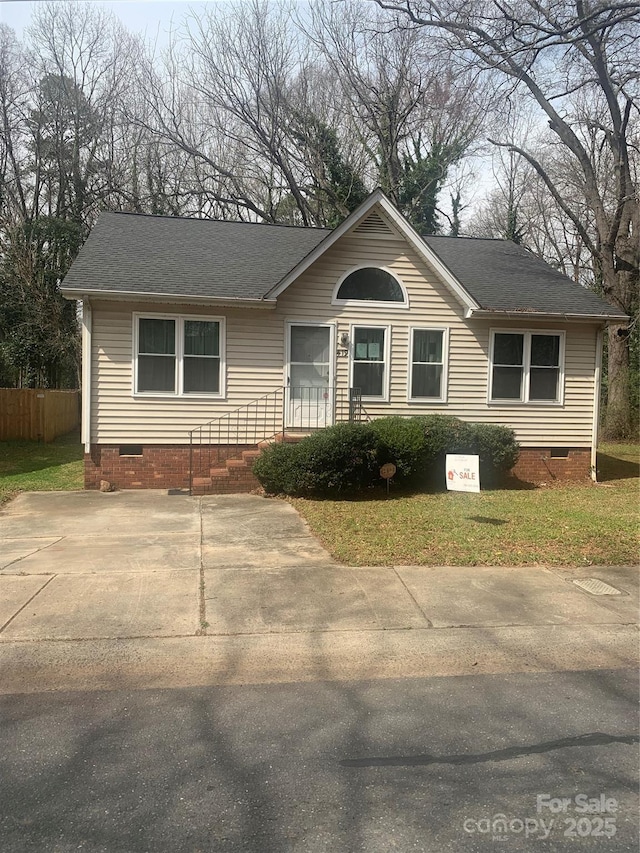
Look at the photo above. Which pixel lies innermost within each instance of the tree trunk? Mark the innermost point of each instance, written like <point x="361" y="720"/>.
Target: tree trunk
<point x="617" y="422"/>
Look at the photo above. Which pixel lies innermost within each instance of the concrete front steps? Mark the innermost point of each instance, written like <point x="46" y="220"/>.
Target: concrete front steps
<point x="236" y="476"/>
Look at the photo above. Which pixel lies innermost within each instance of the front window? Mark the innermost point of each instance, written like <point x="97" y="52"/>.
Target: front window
<point x="178" y="355"/>
<point x="370" y="284"/>
<point x="544" y="373"/>
<point x="508" y="367"/>
<point x="201" y="363"/>
<point x="427" y="364"/>
<point x="526" y="367"/>
<point x="369" y="360"/>
<point x="157" y="355"/>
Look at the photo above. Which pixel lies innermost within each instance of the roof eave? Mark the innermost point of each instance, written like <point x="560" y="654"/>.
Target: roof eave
<point x="425" y="251"/>
<point x="569" y="316"/>
<point x="174" y="298"/>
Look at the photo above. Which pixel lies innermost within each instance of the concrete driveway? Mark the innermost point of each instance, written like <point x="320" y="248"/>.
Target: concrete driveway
<point x="82" y="565"/>
<point x="146" y="566"/>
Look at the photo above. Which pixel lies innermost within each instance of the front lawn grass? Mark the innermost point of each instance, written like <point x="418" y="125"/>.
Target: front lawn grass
<point x="32" y="466"/>
<point x="563" y="525"/>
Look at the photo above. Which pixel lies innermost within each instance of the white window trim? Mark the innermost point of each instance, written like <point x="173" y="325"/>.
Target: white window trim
<point x="179" y="378"/>
<point x="386" y="378"/>
<point x="526" y="367"/>
<point x="358" y="303"/>
<point x="445" y="365"/>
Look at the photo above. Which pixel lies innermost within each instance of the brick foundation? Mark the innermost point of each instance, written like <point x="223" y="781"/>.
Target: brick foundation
<point x="538" y="465"/>
<point x="167" y="467"/>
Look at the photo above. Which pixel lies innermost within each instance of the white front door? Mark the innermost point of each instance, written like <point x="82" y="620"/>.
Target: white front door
<point x="309" y="398"/>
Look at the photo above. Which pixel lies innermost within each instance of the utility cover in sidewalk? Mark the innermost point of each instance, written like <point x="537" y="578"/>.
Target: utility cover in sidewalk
<point x="597" y="587"/>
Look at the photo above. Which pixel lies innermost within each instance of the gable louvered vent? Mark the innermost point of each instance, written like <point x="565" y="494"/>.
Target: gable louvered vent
<point x="374" y="225"/>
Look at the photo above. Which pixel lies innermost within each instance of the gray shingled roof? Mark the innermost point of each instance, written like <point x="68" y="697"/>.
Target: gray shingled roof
<point x="502" y="276"/>
<point x="174" y="256"/>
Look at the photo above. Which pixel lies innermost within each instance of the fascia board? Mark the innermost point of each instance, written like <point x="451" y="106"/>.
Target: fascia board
<point x="176" y="298"/>
<point x="485" y="313"/>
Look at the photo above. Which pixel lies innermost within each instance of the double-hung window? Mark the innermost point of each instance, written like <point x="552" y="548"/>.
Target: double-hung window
<point x="370" y="360"/>
<point x="526" y="367"/>
<point x="178" y="355"/>
<point x="201" y="357"/>
<point x="427" y="375"/>
<point x="157" y="355"/>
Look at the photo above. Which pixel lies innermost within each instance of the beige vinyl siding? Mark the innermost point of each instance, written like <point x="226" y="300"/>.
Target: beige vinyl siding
<point x="255" y="354"/>
<point x="254" y="366"/>
<point x="432" y="304"/>
<point x="310" y="297"/>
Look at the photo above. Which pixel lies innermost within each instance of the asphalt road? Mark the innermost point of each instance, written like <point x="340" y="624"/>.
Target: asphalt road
<point x="411" y="764"/>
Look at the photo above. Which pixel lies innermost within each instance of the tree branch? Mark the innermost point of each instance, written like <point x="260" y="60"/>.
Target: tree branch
<point x="552" y="189"/>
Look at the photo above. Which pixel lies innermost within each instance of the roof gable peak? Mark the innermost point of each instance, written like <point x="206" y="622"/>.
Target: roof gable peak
<point x="378" y="202"/>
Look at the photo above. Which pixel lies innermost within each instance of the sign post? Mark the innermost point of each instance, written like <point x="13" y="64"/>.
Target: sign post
<point x="463" y="472"/>
<point x="386" y="472"/>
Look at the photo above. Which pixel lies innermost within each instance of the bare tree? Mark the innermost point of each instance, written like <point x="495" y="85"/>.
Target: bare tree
<point x="578" y="61"/>
<point x="290" y="120"/>
<point x="59" y="99"/>
<point x="82" y="69"/>
<point x="220" y="97"/>
<point x="14" y="106"/>
<point x="416" y="117"/>
<point x="519" y="209"/>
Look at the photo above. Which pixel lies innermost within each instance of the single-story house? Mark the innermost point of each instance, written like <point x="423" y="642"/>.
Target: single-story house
<point x="203" y="339"/>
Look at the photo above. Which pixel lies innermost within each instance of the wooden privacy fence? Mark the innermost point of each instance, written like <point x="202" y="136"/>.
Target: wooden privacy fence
<point x="37" y="415"/>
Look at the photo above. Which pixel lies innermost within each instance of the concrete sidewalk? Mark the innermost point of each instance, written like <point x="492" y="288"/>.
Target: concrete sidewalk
<point x="85" y="573"/>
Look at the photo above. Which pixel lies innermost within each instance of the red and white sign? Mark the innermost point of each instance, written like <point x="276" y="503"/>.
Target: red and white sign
<point x="463" y="472"/>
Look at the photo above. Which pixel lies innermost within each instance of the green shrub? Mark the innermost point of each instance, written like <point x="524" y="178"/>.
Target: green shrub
<point x="497" y="448"/>
<point x="402" y="441"/>
<point x="495" y="445"/>
<point x="340" y="458"/>
<point x="277" y="469"/>
<point x="442" y="433"/>
<point x="418" y="446"/>
<point x="347" y="457"/>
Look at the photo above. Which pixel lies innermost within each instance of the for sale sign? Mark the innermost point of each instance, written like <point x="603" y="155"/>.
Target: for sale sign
<point x="463" y="472"/>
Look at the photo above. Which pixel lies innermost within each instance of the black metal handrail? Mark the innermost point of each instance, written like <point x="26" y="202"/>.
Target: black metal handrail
<point x="247" y="425"/>
<point x="268" y="418"/>
<point x="315" y="407"/>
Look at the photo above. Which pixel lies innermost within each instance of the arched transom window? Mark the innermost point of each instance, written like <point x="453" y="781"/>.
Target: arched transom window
<point x="370" y="284"/>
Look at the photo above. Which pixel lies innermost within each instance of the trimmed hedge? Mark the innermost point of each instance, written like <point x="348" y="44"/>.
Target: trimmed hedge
<point x="347" y="457"/>
<point x="278" y="470"/>
<point x="494" y="444"/>
<point x="497" y="448"/>
<point x="418" y="447"/>
<point x="336" y="459"/>
<point x="402" y="441"/>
